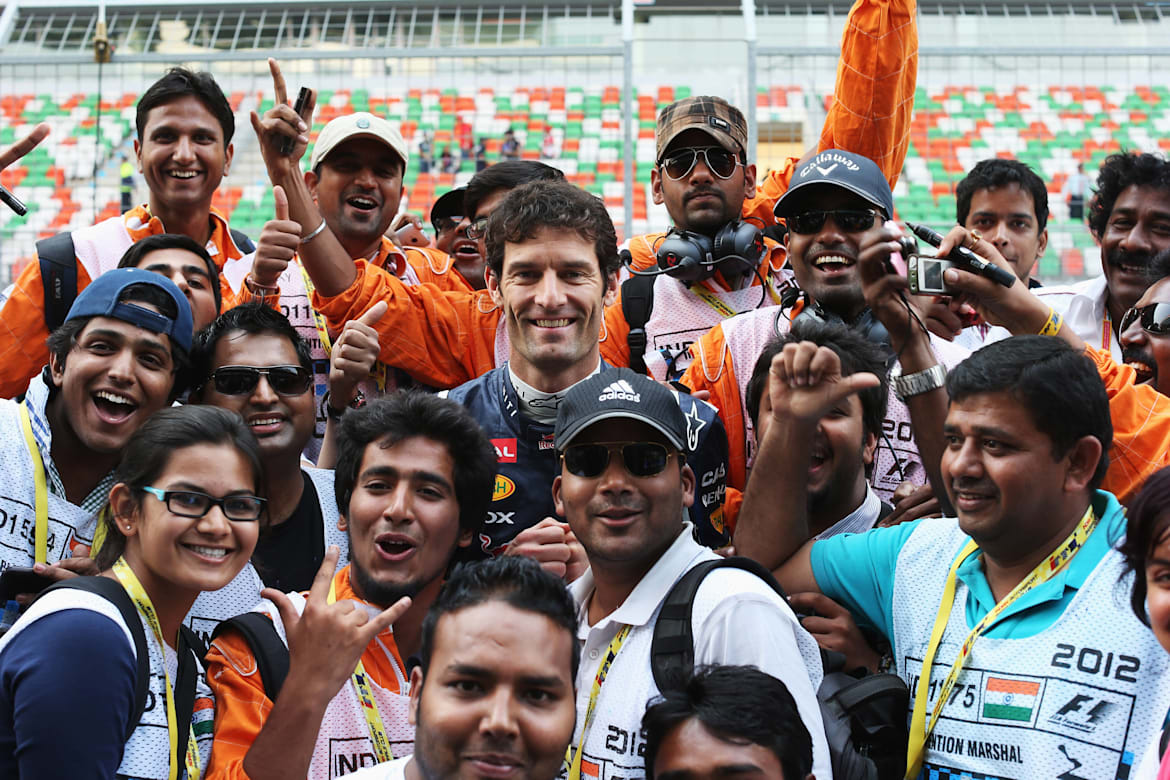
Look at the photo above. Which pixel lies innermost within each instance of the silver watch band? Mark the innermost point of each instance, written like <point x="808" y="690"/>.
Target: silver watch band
<point x="909" y="385"/>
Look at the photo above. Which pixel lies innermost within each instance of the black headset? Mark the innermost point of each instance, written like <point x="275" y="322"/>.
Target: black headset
<point x="692" y="257"/>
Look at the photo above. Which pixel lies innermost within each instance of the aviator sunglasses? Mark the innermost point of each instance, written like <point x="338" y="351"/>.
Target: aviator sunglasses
<point x="719" y="161"/>
<point x="641" y="458"/>
<point x="240" y="380"/>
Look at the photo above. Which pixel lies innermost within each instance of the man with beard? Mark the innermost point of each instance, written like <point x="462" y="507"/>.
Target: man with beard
<point x="704" y="177"/>
<point x="413" y="483"/>
<point x="1130" y="218"/>
<point x="492" y="694"/>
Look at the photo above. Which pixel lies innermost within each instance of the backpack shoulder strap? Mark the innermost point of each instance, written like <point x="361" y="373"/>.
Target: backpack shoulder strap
<point x="270" y="652"/>
<point x="58" y="261"/>
<point x="190" y="651"/>
<point x="672" y="650"/>
<point x="243" y="243"/>
<point x="886" y="510"/>
<point x="113" y="592"/>
<point x="637" y="303"/>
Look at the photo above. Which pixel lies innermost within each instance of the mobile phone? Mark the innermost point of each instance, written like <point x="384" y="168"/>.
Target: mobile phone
<point x="302" y="98"/>
<point x="410" y="235"/>
<point x="21" y="579"/>
<point x="925" y="274"/>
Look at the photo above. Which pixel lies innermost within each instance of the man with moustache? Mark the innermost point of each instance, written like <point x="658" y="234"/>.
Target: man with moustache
<point x="1130" y="217"/>
<point x="413" y="482"/>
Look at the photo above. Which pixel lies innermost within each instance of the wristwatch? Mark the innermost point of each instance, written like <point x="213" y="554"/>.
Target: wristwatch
<point x="919" y="382"/>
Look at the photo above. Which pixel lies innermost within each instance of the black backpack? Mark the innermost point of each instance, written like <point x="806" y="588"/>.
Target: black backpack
<point x="270" y="651"/>
<point x="865" y="718"/>
<point x="58" y="261"/>
<point x="191" y="648"/>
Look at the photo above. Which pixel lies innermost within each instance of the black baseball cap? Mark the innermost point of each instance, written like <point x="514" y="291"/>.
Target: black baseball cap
<point x="449" y="204"/>
<point x="620" y="393"/>
<point x="860" y="175"/>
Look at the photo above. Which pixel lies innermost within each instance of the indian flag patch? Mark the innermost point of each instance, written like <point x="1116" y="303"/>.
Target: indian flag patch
<point x="203" y="717"/>
<point x="1007" y="699"/>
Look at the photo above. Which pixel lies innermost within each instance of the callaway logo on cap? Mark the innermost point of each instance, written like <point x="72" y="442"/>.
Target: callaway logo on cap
<point x="849" y="171"/>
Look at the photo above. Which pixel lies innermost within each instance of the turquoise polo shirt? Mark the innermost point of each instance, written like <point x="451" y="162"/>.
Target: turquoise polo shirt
<point x="857" y="571"/>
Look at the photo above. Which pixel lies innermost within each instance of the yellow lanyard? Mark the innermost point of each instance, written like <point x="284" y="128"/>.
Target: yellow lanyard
<point x="1045" y="570"/>
<point x="141" y="600"/>
<point x="1106" y="331"/>
<point x="380" y="373"/>
<point x="712" y="300"/>
<point x="40" y="488"/>
<point x="365" y="694"/>
<point x="574" y="761"/>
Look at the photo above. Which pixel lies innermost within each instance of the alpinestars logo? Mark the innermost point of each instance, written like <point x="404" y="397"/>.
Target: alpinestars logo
<point x="620" y="390"/>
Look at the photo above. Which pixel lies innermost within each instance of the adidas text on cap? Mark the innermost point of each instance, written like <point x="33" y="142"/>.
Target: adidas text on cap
<point x="620" y="393"/>
<point x="860" y="175"/>
<point x="100" y="299"/>
<point x="359" y="125"/>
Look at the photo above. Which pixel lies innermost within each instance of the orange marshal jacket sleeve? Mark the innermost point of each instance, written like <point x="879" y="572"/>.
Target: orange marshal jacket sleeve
<point x="712" y="370"/>
<point x="1141" y="427"/>
<point x="241" y="708"/>
<point x="441" y="338"/>
<point x="23" y="351"/>
<point x="437" y="268"/>
<point x="873" y="98"/>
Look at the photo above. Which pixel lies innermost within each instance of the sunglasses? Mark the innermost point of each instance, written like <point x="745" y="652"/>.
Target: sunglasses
<point x="641" y="458"/>
<point x="849" y="220"/>
<point x="477" y="229"/>
<point x="1155" y="318"/>
<point x="191" y="503"/>
<point x="718" y="160"/>
<point x="445" y="223"/>
<point x="241" y="380"/>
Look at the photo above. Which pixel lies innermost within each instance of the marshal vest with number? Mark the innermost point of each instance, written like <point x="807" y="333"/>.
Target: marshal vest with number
<point x="69" y="524"/>
<point x="147" y="752"/>
<point x="1081" y="699"/>
<point x="343" y="743"/>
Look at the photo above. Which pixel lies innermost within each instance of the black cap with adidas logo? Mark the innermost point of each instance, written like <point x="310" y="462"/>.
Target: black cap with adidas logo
<point x="620" y="392"/>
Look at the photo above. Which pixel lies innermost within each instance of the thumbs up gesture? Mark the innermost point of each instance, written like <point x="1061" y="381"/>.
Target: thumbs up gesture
<point x="279" y="240"/>
<point x="354" y="353"/>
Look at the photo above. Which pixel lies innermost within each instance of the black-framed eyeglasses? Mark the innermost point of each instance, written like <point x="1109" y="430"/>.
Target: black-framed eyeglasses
<point x="477" y="229"/>
<point x="718" y="160"/>
<point x="445" y="223"/>
<point x="192" y="503"/>
<point x="1155" y="318"/>
<point x="241" y="380"/>
<point x="641" y="458"/>
<point x="849" y="220"/>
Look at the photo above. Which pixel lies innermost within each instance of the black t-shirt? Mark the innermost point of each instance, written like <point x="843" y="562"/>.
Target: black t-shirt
<point x="288" y="555"/>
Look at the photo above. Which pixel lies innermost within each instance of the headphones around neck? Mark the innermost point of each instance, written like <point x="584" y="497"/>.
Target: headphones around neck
<point x="693" y="257"/>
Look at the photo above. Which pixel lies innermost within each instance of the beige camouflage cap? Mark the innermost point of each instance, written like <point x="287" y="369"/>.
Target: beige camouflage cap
<point x="713" y="115"/>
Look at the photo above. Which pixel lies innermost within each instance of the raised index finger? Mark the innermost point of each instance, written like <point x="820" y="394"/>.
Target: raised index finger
<point x="281" y="94"/>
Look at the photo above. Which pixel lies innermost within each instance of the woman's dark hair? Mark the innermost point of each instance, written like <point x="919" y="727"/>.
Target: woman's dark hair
<point x="1149" y="522"/>
<point x="735" y="703"/>
<point x="409" y="413"/>
<point x="1058" y="387"/>
<point x="140" y="249"/>
<point x="513" y="579"/>
<point x="149" y="451"/>
<point x="178" y="83"/>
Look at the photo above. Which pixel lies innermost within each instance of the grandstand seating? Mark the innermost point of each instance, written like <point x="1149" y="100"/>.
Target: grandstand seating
<point x="1052" y="130"/>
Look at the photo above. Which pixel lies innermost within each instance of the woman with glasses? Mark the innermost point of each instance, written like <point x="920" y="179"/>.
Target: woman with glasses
<point x="181" y="520"/>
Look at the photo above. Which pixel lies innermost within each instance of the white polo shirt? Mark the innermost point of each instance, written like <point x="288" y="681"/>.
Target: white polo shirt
<point x="737" y="620"/>
<point x="1083" y="307"/>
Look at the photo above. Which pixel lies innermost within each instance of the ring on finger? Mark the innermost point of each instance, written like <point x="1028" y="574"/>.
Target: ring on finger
<point x="976" y="237"/>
